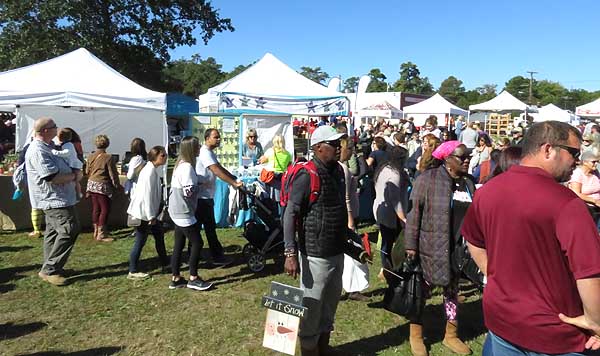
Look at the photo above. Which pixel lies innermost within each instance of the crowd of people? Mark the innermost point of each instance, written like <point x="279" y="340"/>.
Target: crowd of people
<point x="527" y="209"/>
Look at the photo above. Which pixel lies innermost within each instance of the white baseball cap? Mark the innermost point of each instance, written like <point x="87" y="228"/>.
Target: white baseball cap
<point x="325" y="133"/>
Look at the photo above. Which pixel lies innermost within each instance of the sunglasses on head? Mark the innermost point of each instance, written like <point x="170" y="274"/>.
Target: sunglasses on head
<point x="574" y="152"/>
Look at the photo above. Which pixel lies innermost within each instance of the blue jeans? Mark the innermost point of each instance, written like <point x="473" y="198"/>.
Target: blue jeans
<point x="141" y="235"/>
<point x="500" y="347"/>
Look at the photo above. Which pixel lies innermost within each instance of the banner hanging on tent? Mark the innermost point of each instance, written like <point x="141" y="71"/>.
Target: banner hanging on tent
<point x="318" y="106"/>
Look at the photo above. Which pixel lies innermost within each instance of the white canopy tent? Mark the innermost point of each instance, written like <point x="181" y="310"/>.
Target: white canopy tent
<point x="436" y="105"/>
<point x="80" y="91"/>
<point x="383" y="109"/>
<point x="589" y="110"/>
<point x="271" y="86"/>
<point x="502" y="102"/>
<point x="553" y="112"/>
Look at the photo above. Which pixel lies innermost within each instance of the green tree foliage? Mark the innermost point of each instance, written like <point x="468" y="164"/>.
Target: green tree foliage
<point x="315" y="74"/>
<point x="350" y="84"/>
<point x="411" y="81"/>
<point x="452" y="89"/>
<point x="193" y="77"/>
<point x="518" y="86"/>
<point x="377" y="83"/>
<point x="237" y="70"/>
<point x="132" y="36"/>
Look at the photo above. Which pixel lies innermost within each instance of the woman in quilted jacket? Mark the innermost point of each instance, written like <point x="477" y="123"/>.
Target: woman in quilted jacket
<point x="440" y="198"/>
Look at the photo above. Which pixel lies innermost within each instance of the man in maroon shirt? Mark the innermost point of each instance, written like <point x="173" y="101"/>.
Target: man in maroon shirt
<point x="540" y="250"/>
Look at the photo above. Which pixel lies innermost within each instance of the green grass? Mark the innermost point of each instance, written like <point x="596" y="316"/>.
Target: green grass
<point x="103" y="313"/>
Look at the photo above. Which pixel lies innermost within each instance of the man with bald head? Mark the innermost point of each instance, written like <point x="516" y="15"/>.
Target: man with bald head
<point x="51" y="184"/>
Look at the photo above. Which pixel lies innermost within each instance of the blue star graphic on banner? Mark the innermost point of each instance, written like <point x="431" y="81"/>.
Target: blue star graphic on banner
<point x="244" y="101"/>
<point x="340" y="104"/>
<point x="260" y="103"/>
<point x="228" y="101"/>
<point x="311" y="107"/>
<point x="326" y="107"/>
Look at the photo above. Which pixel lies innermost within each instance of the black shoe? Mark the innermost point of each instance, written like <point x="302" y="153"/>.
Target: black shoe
<point x="222" y="261"/>
<point x="359" y="297"/>
<point x="199" y="284"/>
<point x="180" y="283"/>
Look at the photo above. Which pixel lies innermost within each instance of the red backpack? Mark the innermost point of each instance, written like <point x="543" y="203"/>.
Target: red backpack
<point x="288" y="178"/>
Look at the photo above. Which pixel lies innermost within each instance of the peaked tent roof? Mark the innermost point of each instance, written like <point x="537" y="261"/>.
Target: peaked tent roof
<point x="384" y="105"/>
<point x="590" y="109"/>
<point x="434" y="105"/>
<point x="271" y="77"/>
<point x="502" y="102"/>
<point x="552" y="112"/>
<point x="77" y="78"/>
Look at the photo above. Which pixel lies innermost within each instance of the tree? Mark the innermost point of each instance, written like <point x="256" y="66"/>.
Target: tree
<point x="549" y="92"/>
<point x="410" y="80"/>
<point x="452" y="89"/>
<point x="193" y="77"/>
<point x="237" y="70"/>
<point x="519" y="87"/>
<point x="377" y="83"/>
<point x="487" y="91"/>
<point x="350" y="84"/>
<point x="132" y="36"/>
<point x="315" y="74"/>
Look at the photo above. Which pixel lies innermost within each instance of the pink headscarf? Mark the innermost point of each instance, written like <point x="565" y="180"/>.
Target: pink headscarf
<point x="445" y="149"/>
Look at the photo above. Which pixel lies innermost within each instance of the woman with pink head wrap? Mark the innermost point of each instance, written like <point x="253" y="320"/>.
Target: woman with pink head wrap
<point x="440" y="197"/>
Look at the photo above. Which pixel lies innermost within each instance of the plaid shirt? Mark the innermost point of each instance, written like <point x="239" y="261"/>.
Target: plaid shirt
<point x="40" y="164"/>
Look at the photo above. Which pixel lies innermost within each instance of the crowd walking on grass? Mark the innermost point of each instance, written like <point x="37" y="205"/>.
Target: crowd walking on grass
<point x="518" y="218"/>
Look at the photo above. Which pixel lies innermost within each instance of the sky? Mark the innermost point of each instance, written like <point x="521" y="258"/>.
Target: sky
<point x="479" y="42"/>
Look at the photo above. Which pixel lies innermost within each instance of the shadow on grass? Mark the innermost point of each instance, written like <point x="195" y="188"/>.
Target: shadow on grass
<point x="107" y="350"/>
<point x="13" y="331"/>
<point x="14" y="248"/>
<point x="374" y="344"/>
<point x="245" y="274"/>
<point x="14" y="273"/>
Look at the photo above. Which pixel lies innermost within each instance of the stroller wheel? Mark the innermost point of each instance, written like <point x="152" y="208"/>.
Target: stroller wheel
<point x="249" y="250"/>
<point x="256" y="262"/>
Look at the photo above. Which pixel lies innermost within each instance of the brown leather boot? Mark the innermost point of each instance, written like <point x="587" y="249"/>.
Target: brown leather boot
<point x="95" y="231"/>
<point x="417" y="346"/>
<point x="452" y="341"/>
<point x="102" y="234"/>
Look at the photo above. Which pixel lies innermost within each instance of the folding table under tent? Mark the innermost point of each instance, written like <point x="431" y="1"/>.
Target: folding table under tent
<point x="436" y="105"/>
<point x="80" y="91"/>
<point x="591" y="110"/>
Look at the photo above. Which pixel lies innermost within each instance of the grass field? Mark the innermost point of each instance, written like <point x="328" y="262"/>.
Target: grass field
<point x="102" y="313"/>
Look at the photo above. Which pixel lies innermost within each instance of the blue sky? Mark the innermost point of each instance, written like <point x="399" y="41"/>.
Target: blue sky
<point x="479" y="42"/>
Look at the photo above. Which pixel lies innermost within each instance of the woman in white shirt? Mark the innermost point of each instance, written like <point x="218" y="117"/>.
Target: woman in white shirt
<point x="145" y="205"/>
<point x="138" y="150"/>
<point x="183" y="201"/>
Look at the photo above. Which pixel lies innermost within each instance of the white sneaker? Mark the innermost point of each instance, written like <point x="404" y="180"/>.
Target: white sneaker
<point x="138" y="275"/>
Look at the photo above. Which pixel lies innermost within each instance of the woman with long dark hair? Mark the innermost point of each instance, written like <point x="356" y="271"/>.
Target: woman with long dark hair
<point x="136" y="163"/>
<point x="145" y="205"/>
<point x="391" y="199"/>
<point x="440" y="198"/>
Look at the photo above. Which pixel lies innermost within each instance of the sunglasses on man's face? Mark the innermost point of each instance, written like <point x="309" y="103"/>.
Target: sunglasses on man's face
<point x="574" y="152"/>
<point x="335" y="144"/>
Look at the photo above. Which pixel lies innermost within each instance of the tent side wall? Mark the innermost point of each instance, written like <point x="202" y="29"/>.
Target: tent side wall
<point x="121" y="126"/>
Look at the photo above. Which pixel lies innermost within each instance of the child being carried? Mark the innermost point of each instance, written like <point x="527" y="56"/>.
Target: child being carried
<point x="69" y="154"/>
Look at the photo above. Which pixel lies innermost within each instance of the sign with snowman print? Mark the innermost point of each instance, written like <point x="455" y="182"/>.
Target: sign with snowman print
<point x="285" y="309"/>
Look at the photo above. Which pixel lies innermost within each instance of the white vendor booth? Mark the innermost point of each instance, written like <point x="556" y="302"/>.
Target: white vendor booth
<point x="80" y="91"/>
<point x="436" y="105"/>
<point x="591" y="110"/>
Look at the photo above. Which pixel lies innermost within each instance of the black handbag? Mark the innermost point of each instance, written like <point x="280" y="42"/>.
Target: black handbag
<point x="405" y="295"/>
<point x="462" y="262"/>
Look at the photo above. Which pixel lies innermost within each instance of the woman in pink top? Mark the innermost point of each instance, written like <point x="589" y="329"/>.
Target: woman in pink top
<point x="585" y="181"/>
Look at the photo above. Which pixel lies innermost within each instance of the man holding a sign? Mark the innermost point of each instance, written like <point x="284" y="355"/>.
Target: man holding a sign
<point x="321" y="227"/>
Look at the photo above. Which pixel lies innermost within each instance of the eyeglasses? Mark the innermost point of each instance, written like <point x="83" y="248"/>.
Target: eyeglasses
<point x="335" y="144"/>
<point x="463" y="157"/>
<point x="574" y="152"/>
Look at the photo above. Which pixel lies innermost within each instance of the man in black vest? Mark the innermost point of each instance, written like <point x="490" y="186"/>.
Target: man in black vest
<point x="321" y="228"/>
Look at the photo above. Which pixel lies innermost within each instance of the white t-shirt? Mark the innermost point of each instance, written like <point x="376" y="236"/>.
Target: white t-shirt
<point x="206" y="178"/>
<point x="184" y="176"/>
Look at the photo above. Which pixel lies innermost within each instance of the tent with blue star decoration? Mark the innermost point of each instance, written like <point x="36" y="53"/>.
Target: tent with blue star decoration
<point x="271" y="86"/>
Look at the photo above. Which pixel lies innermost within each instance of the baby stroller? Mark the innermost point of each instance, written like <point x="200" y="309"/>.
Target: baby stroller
<point x="264" y="234"/>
